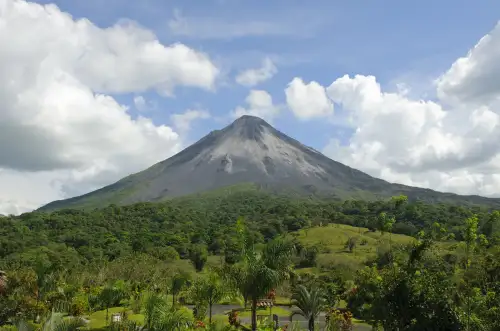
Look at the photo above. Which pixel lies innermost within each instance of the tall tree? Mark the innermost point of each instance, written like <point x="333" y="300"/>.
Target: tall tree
<point x="110" y="296"/>
<point x="54" y="321"/>
<point x="198" y="255"/>
<point x="158" y="316"/>
<point x="310" y="302"/>
<point x="210" y="290"/>
<point x="177" y="282"/>
<point x="260" y="271"/>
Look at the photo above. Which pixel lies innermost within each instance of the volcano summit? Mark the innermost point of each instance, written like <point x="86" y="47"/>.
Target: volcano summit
<point x="251" y="151"/>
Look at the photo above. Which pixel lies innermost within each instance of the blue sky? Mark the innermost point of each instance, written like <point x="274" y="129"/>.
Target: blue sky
<point x="397" y="41"/>
<point x="406" y="91"/>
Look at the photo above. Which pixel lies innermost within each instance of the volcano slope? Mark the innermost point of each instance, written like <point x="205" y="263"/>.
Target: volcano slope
<point x="250" y="151"/>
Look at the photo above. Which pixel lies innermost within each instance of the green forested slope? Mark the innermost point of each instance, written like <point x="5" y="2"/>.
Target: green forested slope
<point x="206" y="222"/>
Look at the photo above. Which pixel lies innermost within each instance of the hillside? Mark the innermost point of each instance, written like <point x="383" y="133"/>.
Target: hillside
<point x="252" y="153"/>
<point x="174" y="227"/>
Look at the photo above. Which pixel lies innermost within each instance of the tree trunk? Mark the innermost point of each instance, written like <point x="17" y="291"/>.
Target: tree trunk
<point x="37" y="315"/>
<point x="254" y="314"/>
<point x="311" y="323"/>
<point x="210" y="313"/>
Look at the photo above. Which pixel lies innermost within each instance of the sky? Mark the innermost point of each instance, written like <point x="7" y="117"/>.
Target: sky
<point x="94" y="90"/>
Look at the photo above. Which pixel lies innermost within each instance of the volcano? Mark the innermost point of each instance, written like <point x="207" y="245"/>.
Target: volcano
<point x="250" y="150"/>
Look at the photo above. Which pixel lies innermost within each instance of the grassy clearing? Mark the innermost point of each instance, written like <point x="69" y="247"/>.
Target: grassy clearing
<point x="331" y="240"/>
<point x="98" y="318"/>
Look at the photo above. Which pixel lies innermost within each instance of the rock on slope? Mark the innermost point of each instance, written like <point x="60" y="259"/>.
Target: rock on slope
<point x="251" y="151"/>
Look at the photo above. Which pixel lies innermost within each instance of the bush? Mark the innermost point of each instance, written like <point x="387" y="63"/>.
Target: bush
<point x="309" y="257"/>
<point x="79" y="305"/>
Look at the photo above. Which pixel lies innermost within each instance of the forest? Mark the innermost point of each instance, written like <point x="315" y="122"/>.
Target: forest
<point x="212" y="261"/>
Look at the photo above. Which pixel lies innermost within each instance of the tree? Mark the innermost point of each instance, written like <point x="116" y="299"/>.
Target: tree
<point x="3" y="282"/>
<point x="470" y="237"/>
<point x="158" y="316"/>
<point x="177" y="283"/>
<point x="416" y="296"/>
<point x="399" y="201"/>
<point x="351" y="244"/>
<point x="54" y="321"/>
<point x="259" y="271"/>
<point x="45" y="281"/>
<point x="209" y="290"/>
<point x="310" y="303"/>
<point x="198" y="255"/>
<point x="109" y="297"/>
<point x="385" y="223"/>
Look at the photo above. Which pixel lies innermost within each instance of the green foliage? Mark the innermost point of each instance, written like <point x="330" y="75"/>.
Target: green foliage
<point x="310" y="303"/>
<point x="79" y="305"/>
<point x="172" y="229"/>
<point x="351" y="244"/>
<point x="259" y="271"/>
<point x="207" y="290"/>
<point x="198" y="255"/>
<point x="144" y="257"/>
<point x="159" y="316"/>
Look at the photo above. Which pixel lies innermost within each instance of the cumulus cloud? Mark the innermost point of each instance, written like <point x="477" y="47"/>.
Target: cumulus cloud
<point x="57" y="122"/>
<point x="308" y="101"/>
<point x="474" y="78"/>
<point x="260" y="104"/>
<point x="182" y="122"/>
<point x="252" y="77"/>
<point x="450" y="144"/>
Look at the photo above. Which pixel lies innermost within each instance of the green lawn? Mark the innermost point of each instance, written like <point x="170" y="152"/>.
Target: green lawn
<point x="98" y="318"/>
<point x="275" y="310"/>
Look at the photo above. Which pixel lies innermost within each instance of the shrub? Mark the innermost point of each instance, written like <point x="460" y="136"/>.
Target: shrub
<point x="79" y="305"/>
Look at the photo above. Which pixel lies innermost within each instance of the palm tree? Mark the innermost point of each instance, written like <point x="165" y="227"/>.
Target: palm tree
<point x="158" y="316"/>
<point x="209" y="290"/>
<point x="54" y="321"/>
<point x="310" y="303"/>
<point x="177" y="283"/>
<point x="260" y="271"/>
<point x="45" y="282"/>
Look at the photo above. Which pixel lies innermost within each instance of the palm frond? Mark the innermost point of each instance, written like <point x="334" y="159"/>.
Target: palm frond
<point x="310" y="303"/>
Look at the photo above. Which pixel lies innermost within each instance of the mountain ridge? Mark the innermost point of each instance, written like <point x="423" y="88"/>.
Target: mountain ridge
<point x="250" y="150"/>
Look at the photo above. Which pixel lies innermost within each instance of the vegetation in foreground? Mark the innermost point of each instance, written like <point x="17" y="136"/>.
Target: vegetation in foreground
<point x="444" y="277"/>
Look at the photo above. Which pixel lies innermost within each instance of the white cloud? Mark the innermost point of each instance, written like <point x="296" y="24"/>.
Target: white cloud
<point x="252" y="77"/>
<point x="182" y="122"/>
<point x="142" y="105"/>
<point x="448" y="145"/>
<point x="60" y="135"/>
<point x="308" y="101"/>
<point x="260" y="104"/>
<point x="474" y="78"/>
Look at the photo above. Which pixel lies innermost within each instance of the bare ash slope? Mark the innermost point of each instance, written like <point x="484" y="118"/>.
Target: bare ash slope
<point x="251" y="151"/>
